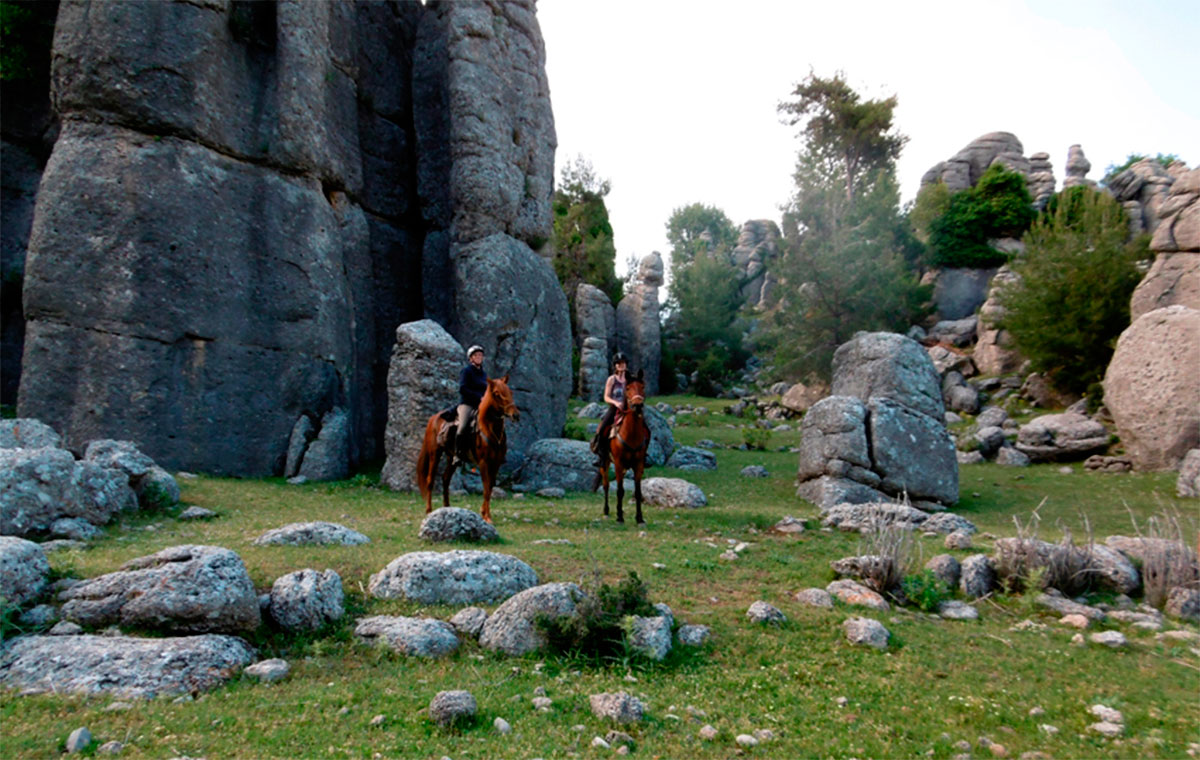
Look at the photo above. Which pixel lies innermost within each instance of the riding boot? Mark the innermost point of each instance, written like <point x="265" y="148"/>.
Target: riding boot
<point x="451" y="443"/>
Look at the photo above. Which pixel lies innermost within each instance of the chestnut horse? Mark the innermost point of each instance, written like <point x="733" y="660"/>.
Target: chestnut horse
<point x="487" y="453"/>
<point x="627" y="449"/>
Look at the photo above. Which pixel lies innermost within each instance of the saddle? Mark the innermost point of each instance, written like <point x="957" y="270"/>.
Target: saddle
<point x="450" y="415"/>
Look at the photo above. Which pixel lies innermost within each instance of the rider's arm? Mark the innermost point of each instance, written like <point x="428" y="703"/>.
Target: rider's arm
<point x="608" y="386"/>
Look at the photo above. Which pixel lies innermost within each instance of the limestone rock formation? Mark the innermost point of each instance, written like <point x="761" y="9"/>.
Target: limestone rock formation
<point x="454" y="524"/>
<point x="39" y="486"/>
<point x="757" y="246"/>
<point x="300" y="178"/>
<point x="511" y="629"/>
<point x="882" y="432"/>
<point x="1152" y="387"/>
<point x="965" y="168"/>
<point x="123" y="666"/>
<point x="994" y="350"/>
<point x="415" y="637"/>
<point x="959" y="291"/>
<point x="1041" y="179"/>
<point x="1142" y="190"/>
<point x="422" y="380"/>
<point x="1174" y="278"/>
<point x="558" y="463"/>
<point x="311" y="534"/>
<point x="1077" y="168"/>
<point x="639" y="334"/>
<point x="24" y="570"/>
<point x="596" y="338"/>
<point x="1065" y="436"/>
<point x="456" y="577"/>
<point x="184" y="589"/>
<point x="28" y="434"/>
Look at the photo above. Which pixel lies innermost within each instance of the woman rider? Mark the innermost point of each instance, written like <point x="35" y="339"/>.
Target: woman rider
<point x="614" y="396"/>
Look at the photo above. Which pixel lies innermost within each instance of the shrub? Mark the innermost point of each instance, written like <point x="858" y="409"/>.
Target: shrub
<point x="1076" y="278"/>
<point x="1167" y="558"/>
<point x="1029" y="563"/>
<point x="1165" y="159"/>
<point x="998" y="206"/>
<point x="892" y="549"/>
<point x="756" y="438"/>
<point x="597" y="632"/>
<point x="575" y="429"/>
<point x="933" y="200"/>
<point x="926" y="590"/>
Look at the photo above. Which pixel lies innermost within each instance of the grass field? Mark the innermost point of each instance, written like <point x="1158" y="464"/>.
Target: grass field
<point x="940" y="682"/>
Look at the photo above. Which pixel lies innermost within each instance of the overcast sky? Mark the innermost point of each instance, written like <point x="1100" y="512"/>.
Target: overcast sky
<point x="675" y="101"/>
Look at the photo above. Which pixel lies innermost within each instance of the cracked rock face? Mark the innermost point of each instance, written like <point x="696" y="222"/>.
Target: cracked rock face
<point x="306" y="599"/>
<point x="40" y="486"/>
<point x="24" y="570"/>
<point x="511" y="629"/>
<point x="120" y="665"/>
<point x="182" y="589"/>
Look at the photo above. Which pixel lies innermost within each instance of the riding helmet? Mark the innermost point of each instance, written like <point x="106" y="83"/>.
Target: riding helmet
<point x="473" y="349"/>
<point x="619" y="357"/>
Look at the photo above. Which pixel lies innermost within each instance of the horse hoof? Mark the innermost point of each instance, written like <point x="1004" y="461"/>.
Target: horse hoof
<point x="621" y="520"/>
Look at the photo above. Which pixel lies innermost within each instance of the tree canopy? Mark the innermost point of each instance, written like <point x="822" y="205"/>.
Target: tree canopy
<point x="584" y="250"/>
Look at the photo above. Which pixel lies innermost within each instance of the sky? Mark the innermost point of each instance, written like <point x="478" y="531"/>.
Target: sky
<point x="674" y="101"/>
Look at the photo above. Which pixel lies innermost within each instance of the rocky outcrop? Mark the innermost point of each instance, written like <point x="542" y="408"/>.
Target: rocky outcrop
<point x="311" y="534"/>
<point x="422" y="380"/>
<point x="595" y="337"/>
<point x="995" y="353"/>
<point x="1152" y="387"/>
<point x="559" y="463"/>
<point x="1174" y="278"/>
<point x="24" y="570"/>
<point x="882" y="432"/>
<point x="28" y="434"/>
<point x="122" y="666"/>
<point x="1142" y="189"/>
<point x="511" y="628"/>
<point x="341" y="168"/>
<point x="965" y="168"/>
<point x="757" y="246"/>
<point x="40" y="486"/>
<point x="1077" y="168"/>
<point x="958" y="292"/>
<point x="1041" y="179"/>
<point x="182" y="589"/>
<point x="639" y="334"/>
<point x="456" y="577"/>
<point x="1065" y="436"/>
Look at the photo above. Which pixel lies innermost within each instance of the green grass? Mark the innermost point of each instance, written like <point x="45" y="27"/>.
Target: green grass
<point x="939" y="683"/>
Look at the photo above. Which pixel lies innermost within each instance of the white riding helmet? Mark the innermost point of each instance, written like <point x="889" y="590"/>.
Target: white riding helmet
<point x="473" y="349"/>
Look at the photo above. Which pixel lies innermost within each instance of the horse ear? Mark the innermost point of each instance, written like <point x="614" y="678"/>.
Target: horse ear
<point x="640" y="375"/>
<point x="504" y="379"/>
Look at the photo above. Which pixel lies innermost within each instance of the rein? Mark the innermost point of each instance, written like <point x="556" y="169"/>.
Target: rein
<point x="633" y="415"/>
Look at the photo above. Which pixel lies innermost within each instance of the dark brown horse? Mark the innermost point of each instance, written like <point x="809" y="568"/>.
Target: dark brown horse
<point x="487" y="452"/>
<point x="627" y="449"/>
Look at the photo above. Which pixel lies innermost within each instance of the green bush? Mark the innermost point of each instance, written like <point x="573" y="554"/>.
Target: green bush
<point x="1072" y="300"/>
<point x="575" y="429"/>
<point x="756" y="438"/>
<point x="597" y="631"/>
<point x="998" y="206"/>
<point x="926" y="591"/>
<point x="933" y="200"/>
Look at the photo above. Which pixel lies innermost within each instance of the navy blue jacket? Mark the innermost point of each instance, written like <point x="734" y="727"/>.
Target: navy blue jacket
<point x="472" y="384"/>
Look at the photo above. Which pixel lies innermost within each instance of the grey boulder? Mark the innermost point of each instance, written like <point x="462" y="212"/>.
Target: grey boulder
<point x="1061" y="436"/>
<point x="306" y="599"/>
<point x="28" y="433"/>
<point x="872" y="516"/>
<point x="672" y="492"/>
<point x="450" y="707"/>
<point x="889" y="366"/>
<point x="454" y="524"/>
<point x="912" y="452"/>
<point x="620" y="706"/>
<point x="511" y="628"/>
<point x="120" y="665"/>
<point x="692" y="458"/>
<point x="414" y="637"/>
<point x="650" y="635"/>
<point x="311" y="534"/>
<point x="38" y="486"/>
<point x="977" y="576"/>
<point x="184" y="589"/>
<point x="558" y="463"/>
<point x="24" y="570"/>
<point x="469" y="621"/>
<point x="866" y="632"/>
<point x="456" y="577"/>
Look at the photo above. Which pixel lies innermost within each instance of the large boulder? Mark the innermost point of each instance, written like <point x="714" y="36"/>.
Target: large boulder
<point x="181" y="589"/>
<point x="827" y="491"/>
<point x="328" y="456"/>
<point x="155" y="487"/>
<point x="834" y="441"/>
<point x="957" y="293"/>
<point x="662" y="441"/>
<point x="803" y="396"/>
<point x="757" y="247"/>
<point x="456" y="577"/>
<point x="24" y="570"/>
<point x="639" y="333"/>
<point x="1174" y="278"/>
<point x="415" y="637"/>
<point x="995" y="352"/>
<point x="39" y="486"/>
<point x="692" y="458"/>
<point x="311" y="534"/>
<point x="671" y="492"/>
<point x="1065" y="436"/>
<point x="455" y="524"/>
<point x="558" y="463"/>
<point x="596" y="337"/>
<point x="891" y="366"/>
<point x="126" y="667"/>
<point x="1187" y="485"/>
<point x="1179" y="217"/>
<point x="512" y="629"/>
<point x="306" y="599"/>
<point x="964" y="169"/>
<point x="913" y="453"/>
<point x="1152" y="387"/>
<point x="422" y="380"/>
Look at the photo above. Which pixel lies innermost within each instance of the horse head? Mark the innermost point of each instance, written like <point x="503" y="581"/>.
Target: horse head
<point x="503" y="398"/>
<point x="635" y="392"/>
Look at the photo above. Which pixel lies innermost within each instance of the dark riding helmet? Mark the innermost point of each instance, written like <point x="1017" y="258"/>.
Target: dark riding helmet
<point x="619" y="357"/>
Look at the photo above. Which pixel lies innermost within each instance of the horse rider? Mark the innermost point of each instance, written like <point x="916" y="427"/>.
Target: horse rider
<point x="614" y="396"/>
<point x="472" y="384"/>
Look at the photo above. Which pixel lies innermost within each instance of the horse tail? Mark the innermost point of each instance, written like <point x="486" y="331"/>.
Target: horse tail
<point x="596" y="482"/>
<point x="428" y="449"/>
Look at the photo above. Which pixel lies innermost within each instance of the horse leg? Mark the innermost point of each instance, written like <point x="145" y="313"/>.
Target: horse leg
<point x="638" y="467"/>
<point x="447" y="475"/>
<point x="485" y="474"/>
<point x="604" y="477"/>
<point x="620" y="491"/>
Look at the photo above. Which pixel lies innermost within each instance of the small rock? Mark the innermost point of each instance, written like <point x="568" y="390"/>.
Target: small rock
<point x="761" y="612"/>
<point x="196" y="513"/>
<point x="1113" y="639"/>
<point x="469" y="621"/>
<point x="79" y="740"/>
<point x="1065" y="470"/>
<point x="502" y="726"/>
<point x="450" y="707"/>
<point x="377" y="721"/>
<point x="66" y="628"/>
<point x="746" y="740"/>
<point x="658" y="566"/>
<point x="599" y="743"/>
<point x="707" y="732"/>
<point x="1078" y="640"/>
<point x="1075" y="621"/>
<point x="754" y="471"/>
<point x="867" y="632"/>
<point x="1106" y="714"/>
<point x="38" y="617"/>
<point x="551" y="493"/>
<point x="729" y="556"/>
<point x="269" y="671"/>
<point x="619" y="706"/>
<point x="119" y="707"/>
<point x="956" y="610"/>
<point x="814" y="597"/>
<point x="788" y="526"/>
<point x="693" y="635"/>
<point x="110" y="748"/>
<point x="1104" y="728"/>
<point x="998" y="750"/>
<point x="959" y="539"/>
<point x="542" y="703"/>
<point x="764" y="735"/>
<point x="618" y="738"/>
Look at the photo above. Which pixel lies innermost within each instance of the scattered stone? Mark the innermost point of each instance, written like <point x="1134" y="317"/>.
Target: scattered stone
<point x="451" y="707"/>
<point x="38" y="486"/>
<point x="510" y="628"/>
<point x="311" y="534"/>
<point x="196" y="513"/>
<point x="729" y="556"/>
<point x="1012" y="457"/>
<point x="956" y="610"/>
<point x="754" y="471"/>
<point x="1075" y="621"/>
<point x="454" y="524"/>
<point x="946" y="568"/>
<point x="1183" y="603"/>
<point x="79" y="740"/>
<point x="501" y="726"/>
<point x="856" y="594"/>
<point x="378" y="721"/>
<point x="618" y="738"/>
<point x="110" y="748"/>
<point x="414" y="637"/>
<point x="865" y="517"/>
<point x="188" y="589"/>
<point x="692" y="458"/>
<point x="63" y="545"/>
<point x="620" y="706"/>
<point x="788" y="526"/>
<point x="1064" y="606"/>
<point x="1106" y="714"/>
<point x="551" y="493"/>
<point x="469" y="621"/>
<point x="673" y="493"/>
<point x="38" y="617"/>
<point x="651" y="636"/>
<point x="867" y="632"/>
<point x="306" y="600"/>
<point x="814" y="597"/>
<point x="65" y="628"/>
<point x="1102" y="463"/>
<point x="456" y="577"/>
<point x="269" y="671"/>
<point x="542" y="703"/>
<point x="708" y="732"/>
<point x="959" y="539"/>
<point x="599" y="743"/>
<point x="74" y="529"/>
<point x="125" y="666"/>
<point x="746" y="740"/>
<point x="948" y="522"/>
<point x="761" y="612"/>
<point x="1110" y="730"/>
<point x="693" y="635"/>
<point x="969" y="457"/>
<point x="1111" y="639"/>
<point x="978" y="576"/>
<point x="764" y="734"/>
<point x="1061" y="436"/>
